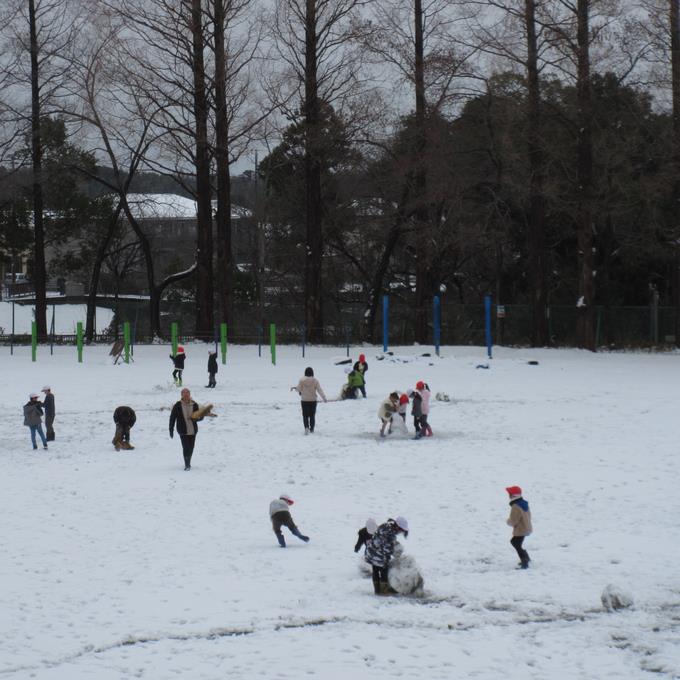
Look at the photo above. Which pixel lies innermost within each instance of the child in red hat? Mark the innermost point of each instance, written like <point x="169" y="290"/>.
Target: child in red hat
<point x="421" y="409"/>
<point x="520" y="521"/>
<point x="362" y="367"/>
<point x="280" y="516"/>
<point x="178" y="363"/>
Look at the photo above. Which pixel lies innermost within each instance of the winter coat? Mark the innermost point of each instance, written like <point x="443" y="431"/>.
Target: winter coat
<point x="176" y="416"/>
<point x="417" y="404"/>
<point x="520" y="517"/>
<point x="48" y="405"/>
<point x="425" y="396"/>
<point x="380" y="548"/>
<point x="361" y="367"/>
<point x="178" y="361"/>
<point x="124" y="416"/>
<point x="355" y="379"/>
<point x="387" y="409"/>
<point x="32" y="414"/>
<point x="278" y="505"/>
<point x="308" y="388"/>
<point x="363" y="538"/>
<point x="212" y="363"/>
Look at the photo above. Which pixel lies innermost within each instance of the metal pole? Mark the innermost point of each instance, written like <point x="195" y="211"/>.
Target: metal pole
<point x="487" y="323"/>
<point x="79" y="341"/>
<point x="52" y="333"/>
<point x="11" y="342"/>
<point x="272" y="341"/>
<point x="223" y="341"/>
<point x="126" y="340"/>
<point x="385" y="321"/>
<point x="34" y="340"/>
<point x="436" y="322"/>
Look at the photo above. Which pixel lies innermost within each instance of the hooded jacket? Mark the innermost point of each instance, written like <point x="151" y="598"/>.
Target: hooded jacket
<point x="178" y="360"/>
<point x="380" y="548"/>
<point x="33" y="413"/>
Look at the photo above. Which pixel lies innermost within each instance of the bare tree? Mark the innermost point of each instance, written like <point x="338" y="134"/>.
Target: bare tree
<point x="313" y="38"/>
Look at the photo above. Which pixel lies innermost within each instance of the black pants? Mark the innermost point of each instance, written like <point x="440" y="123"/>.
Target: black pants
<point x="517" y="545"/>
<point x="211" y="380"/>
<point x="379" y="576"/>
<point x="177" y="375"/>
<point x="49" y="421"/>
<point x="363" y="390"/>
<point x="308" y="414"/>
<point x="188" y="441"/>
<point x="122" y="434"/>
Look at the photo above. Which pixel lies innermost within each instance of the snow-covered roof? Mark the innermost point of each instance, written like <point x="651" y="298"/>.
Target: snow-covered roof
<point x="172" y="206"/>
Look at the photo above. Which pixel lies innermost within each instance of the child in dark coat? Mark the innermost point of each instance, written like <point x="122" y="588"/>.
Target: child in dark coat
<point x="520" y="521"/>
<point x="178" y="363"/>
<point x="212" y="368"/>
<point x="362" y="368"/>
<point x="379" y="551"/>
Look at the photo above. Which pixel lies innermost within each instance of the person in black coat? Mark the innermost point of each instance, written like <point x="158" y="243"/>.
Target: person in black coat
<point x="125" y="418"/>
<point x="187" y="428"/>
<point x="48" y="405"/>
<point x="178" y="363"/>
<point x="362" y="367"/>
<point x="212" y="368"/>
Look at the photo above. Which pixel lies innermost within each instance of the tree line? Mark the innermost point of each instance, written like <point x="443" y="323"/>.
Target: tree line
<point x="527" y="148"/>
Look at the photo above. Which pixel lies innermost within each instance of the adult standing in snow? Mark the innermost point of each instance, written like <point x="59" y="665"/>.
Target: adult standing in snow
<point x="365" y="534"/>
<point x="308" y="388"/>
<point x="212" y="368"/>
<point x="178" y="363"/>
<point x="187" y="427"/>
<point x="124" y="417"/>
<point x="33" y="419"/>
<point x="379" y="551"/>
<point x="48" y="405"/>
<point x="279" y="513"/>
<point x="362" y="367"/>
<point x="520" y="521"/>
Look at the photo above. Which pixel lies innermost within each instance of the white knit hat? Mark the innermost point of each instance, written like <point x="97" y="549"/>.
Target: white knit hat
<point x="402" y="523"/>
<point x="371" y="526"/>
<point x="33" y="395"/>
<point x="46" y="388"/>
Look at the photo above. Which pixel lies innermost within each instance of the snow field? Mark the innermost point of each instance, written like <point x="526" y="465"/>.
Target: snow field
<point x="118" y="565"/>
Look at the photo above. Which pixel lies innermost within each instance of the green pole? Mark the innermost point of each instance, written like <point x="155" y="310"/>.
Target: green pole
<point x="126" y="338"/>
<point x="79" y="341"/>
<point x="272" y="341"/>
<point x="34" y="340"/>
<point x="223" y="341"/>
<point x="173" y="332"/>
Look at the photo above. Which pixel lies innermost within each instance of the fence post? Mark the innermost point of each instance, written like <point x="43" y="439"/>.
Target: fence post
<point x="79" y="341"/>
<point x="173" y="335"/>
<point x="347" y="330"/>
<point x="272" y="341"/>
<point x="487" y="323"/>
<point x="52" y="331"/>
<point x="126" y="340"/>
<point x="11" y="342"/>
<point x="223" y="341"/>
<point x="260" y="331"/>
<point x="34" y="340"/>
<point x="436" y="322"/>
<point x="385" y="321"/>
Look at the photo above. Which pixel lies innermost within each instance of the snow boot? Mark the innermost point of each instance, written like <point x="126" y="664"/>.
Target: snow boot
<point x="297" y="533"/>
<point x="282" y="540"/>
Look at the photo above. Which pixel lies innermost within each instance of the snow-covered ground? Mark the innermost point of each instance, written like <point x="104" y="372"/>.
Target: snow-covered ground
<point x="122" y="565"/>
<point x="65" y="318"/>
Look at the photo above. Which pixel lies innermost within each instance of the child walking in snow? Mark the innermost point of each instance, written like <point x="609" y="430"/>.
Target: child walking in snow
<point x="178" y="363"/>
<point x="386" y="412"/>
<point x="361" y="367"/>
<point x="520" y="521"/>
<point x="212" y="368"/>
<point x="308" y="388"/>
<point x="280" y="516"/>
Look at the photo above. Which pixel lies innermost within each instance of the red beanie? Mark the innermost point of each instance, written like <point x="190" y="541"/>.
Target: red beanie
<point x="420" y="385"/>
<point x="403" y="399"/>
<point x="514" y="490"/>
<point x="180" y="350"/>
<point x="362" y="357"/>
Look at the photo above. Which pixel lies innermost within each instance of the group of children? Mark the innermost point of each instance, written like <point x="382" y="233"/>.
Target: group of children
<point x="397" y="404"/>
<point x="379" y="542"/>
<point x="178" y="360"/>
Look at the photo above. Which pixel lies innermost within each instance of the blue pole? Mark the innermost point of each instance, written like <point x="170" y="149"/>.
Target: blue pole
<point x="385" y="320"/>
<point x="437" y="322"/>
<point x="487" y="323"/>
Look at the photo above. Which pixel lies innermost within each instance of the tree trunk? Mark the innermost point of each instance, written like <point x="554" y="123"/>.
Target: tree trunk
<point x="675" y="168"/>
<point x="204" y="240"/>
<point x="537" y="250"/>
<point x="585" y="332"/>
<point x="96" y="271"/>
<point x="225" y="267"/>
<point x="313" y="200"/>
<point x="423" y="279"/>
<point x="39" y="270"/>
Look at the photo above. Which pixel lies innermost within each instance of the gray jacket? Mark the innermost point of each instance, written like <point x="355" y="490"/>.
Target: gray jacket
<point x="278" y="505"/>
<point x="33" y="414"/>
